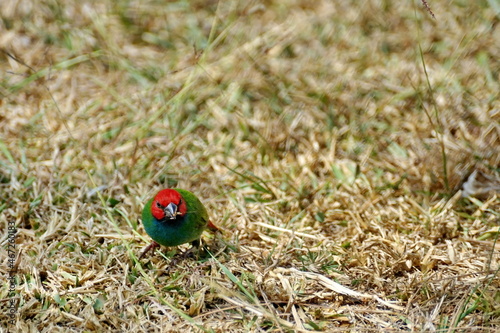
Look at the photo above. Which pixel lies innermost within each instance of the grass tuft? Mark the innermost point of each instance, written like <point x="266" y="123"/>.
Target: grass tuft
<point x="349" y="152"/>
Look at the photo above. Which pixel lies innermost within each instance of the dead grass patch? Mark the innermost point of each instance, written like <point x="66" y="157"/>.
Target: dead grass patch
<point x="332" y="162"/>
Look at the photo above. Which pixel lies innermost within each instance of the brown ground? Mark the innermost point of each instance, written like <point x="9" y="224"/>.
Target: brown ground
<point x="329" y="140"/>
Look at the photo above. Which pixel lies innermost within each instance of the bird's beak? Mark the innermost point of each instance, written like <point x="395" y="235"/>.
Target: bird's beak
<point x="171" y="211"/>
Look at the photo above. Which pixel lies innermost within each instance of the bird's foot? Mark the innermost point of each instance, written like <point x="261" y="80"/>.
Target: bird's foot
<point x="176" y="260"/>
<point x="189" y="253"/>
<point x="149" y="247"/>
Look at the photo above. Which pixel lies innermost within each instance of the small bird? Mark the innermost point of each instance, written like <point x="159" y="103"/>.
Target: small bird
<point x="174" y="217"/>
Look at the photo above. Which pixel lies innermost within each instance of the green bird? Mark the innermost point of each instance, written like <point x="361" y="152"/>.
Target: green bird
<point x="174" y="217"/>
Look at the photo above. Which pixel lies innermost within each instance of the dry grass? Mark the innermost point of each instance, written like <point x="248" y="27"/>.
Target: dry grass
<point x="329" y="140"/>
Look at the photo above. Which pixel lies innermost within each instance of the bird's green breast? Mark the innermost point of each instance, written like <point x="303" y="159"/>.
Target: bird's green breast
<point x="183" y="229"/>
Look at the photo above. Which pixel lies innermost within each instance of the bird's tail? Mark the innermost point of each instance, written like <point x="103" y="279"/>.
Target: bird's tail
<point x="212" y="226"/>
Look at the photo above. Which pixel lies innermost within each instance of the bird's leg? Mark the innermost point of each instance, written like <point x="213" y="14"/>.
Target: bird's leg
<point x="189" y="252"/>
<point x="184" y="255"/>
<point x="151" y="246"/>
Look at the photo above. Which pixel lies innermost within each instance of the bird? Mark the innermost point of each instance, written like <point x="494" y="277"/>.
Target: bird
<point x="174" y="217"/>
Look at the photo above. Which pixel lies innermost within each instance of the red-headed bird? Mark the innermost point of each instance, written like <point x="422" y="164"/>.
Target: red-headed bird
<point x="174" y="217"/>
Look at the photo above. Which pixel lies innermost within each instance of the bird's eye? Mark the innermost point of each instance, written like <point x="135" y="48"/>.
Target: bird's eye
<point x="158" y="205"/>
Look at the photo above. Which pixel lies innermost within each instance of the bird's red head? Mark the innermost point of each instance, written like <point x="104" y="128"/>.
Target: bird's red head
<point x="168" y="204"/>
